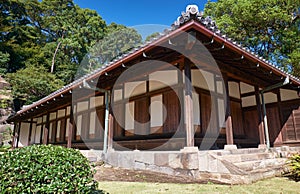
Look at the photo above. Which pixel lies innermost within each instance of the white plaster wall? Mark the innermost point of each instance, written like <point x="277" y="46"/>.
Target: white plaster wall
<point x="24" y="134"/>
<point x="134" y="88"/>
<point x="245" y="88"/>
<point x="52" y="116"/>
<point x="74" y="109"/>
<point x="61" y="113"/>
<point x="221" y="112"/>
<point x="156" y="111"/>
<point x="200" y="77"/>
<point x="270" y="97"/>
<point x="82" y="106"/>
<point x="234" y="90"/>
<point x="129" y="116"/>
<point x="58" y="129"/>
<point x="43" y="134"/>
<point x="68" y="110"/>
<point x="196" y="109"/>
<point x="67" y="127"/>
<point x="161" y="79"/>
<point x="39" y="120"/>
<point x="248" y="101"/>
<point x="38" y="134"/>
<point x="220" y="87"/>
<point x="96" y="101"/>
<point x="50" y="130"/>
<point x="288" y="94"/>
<point x="118" y="95"/>
<point x="93" y="117"/>
<point x="79" y="124"/>
<point x="33" y="133"/>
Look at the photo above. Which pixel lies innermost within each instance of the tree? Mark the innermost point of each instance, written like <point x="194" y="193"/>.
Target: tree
<point x="267" y="27"/>
<point x="153" y="35"/>
<point x="71" y="31"/>
<point x="33" y="83"/>
<point x="52" y="38"/>
<point x="118" y="40"/>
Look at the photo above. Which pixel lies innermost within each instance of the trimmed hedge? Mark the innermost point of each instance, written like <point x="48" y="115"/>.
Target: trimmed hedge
<point x="294" y="167"/>
<point x="45" y="169"/>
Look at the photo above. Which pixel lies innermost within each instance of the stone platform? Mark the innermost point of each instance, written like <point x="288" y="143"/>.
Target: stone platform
<point x="237" y="166"/>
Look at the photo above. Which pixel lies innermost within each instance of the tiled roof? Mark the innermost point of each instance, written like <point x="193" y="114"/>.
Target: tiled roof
<point x="191" y="14"/>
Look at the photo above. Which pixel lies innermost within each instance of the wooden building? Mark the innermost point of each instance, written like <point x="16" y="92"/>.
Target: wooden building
<point x="190" y="87"/>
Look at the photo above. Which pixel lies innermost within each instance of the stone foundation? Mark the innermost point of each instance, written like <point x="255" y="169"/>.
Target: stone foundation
<point x="234" y="166"/>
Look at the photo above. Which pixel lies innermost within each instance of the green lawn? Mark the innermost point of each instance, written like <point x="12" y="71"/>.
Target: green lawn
<point x="274" y="185"/>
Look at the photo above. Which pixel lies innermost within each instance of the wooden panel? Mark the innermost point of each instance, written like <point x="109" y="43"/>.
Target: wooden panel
<point x="99" y="127"/>
<point x="251" y="123"/>
<point x="142" y="117"/>
<point x="85" y="126"/>
<point x="118" y="111"/>
<point x="274" y="123"/>
<point x="208" y="114"/>
<point x="62" y="130"/>
<point x="172" y="113"/>
<point x="53" y="135"/>
<point x="237" y="118"/>
<point x="296" y="115"/>
<point x="291" y="120"/>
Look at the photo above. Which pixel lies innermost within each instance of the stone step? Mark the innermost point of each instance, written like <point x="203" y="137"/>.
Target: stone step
<point x="237" y="158"/>
<point x="238" y="151"/>
<point x="261" y="165"/>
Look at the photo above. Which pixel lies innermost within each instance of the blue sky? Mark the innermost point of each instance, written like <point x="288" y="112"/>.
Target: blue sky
<point x="145" y="16"/>
<point x="137" y="12"/>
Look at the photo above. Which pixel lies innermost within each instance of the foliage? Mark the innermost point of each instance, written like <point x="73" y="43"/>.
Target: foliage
<point x="118" y="40"/>
<point x="4" y="148"/>
<point x="267" y="27"/>
<point x="294" y="167"/>
<point x="54" y="35"/>
<point x="45" y="169"/>
<point x="151" y="36"/>
<point x="32" y="83"/>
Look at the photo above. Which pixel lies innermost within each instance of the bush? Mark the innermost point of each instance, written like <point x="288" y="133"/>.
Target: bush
<point x="45" y="169"/>
<point x="4" y="148"/>
<point x="294" y="167"/>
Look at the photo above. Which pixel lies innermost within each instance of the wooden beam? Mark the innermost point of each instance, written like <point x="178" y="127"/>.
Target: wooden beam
<point x="188" y="104"/>
<point x="247" y="94"/>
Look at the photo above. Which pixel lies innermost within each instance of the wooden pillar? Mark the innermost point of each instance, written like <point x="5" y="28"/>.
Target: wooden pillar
<point x="17" y="135"/>
<point x="110" y="132"/>
<point x="279" y="138"/>
<point x="111" y="121"/>
<point x="46" y="131"/>
<point x="229" y="128"/>
<point x="260" y="119"/>
<point x="70" y="129"/>
<point x="181" y="97"/>
<point x="30" y="132"/>
<point x="188" y="102"/>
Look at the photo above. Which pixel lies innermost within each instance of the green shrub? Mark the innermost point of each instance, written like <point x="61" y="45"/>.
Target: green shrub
<point x="4" y="148"/>
<point x="294" y="167"/>
<point x="45" y="169"/>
